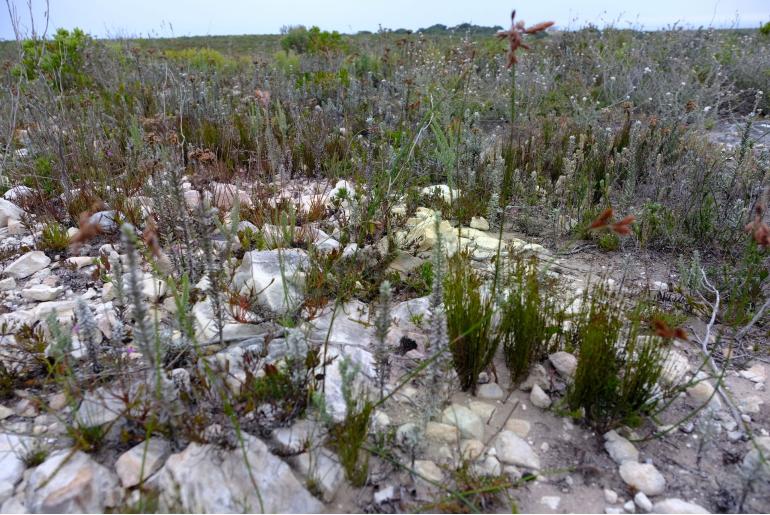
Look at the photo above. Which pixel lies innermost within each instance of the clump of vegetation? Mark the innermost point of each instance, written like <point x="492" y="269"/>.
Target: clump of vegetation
<point x="348" y="437"/>
<point x="315" y="41"/>
<point x="60" y="61"/>
<point x="618" y="368"/>
<point x="53" y="238"/>
<point x="469" y="311"/>
<point x="529" y="319"/>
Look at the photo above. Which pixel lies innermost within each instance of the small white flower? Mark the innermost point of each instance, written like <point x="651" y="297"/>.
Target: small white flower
<point x="612" y="78"/>
<point x="684" y="84"/>
<point x="647" y="69"/>
<point x="707" y="109"/>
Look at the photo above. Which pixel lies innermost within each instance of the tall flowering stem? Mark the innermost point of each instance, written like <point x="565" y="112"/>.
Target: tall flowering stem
<point x="515" y="37"/>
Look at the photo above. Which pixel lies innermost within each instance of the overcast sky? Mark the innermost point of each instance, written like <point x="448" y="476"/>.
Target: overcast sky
<point x="166" y="18"/>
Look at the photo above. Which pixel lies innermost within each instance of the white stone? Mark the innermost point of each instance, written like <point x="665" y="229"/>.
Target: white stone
<point x="752" y="464"/>
<point x="323" y="469"/>
<point x="643" y="476"/>
<point x="442" y="190"/>
<point x="611" y="496"/>
<point x="539" y="398"/>
<point x="643" y="502"/>
<point x="18" y="192"/>
<point x="70" y="482"/>
<point x="482" y="409"/>
<point x="203" y="478"/>
<point x="16" y="227"/>
<point x="490" y="391"/>
<point x="384" y="495"/>
<point x="471" y="449"/>
<point x="275" y="276"/>
<point x="141" y="461"/>
<point x="11" y="465"/>
<point x="105" y="220"/>
<point x="537" y="376"/>
<point x="468" y="422"/>
<point x="6" y="491"/>
<point x="620" y="449"/>
<point x="564" y="363"/>
<point x="480" y="223"/>
<point x="9" y="283"/>
<point x="629" y="507"/>
<point x="676" y="505"/>
<point x="755" y="373"/>
<point x="514" y="450"/>
<point x="297" y="437"/>
<point x="9" y="211"/>
<point x="675" y="367"/>
<point x="27" y="264"/>
<point x="428" y="471"/>
<point x="442" y="432"/>
<point x="42" y="292"/>
<point x="551" y="501"/>
<point x="703" y="392"/>
<point x="518" y="426"/>
<point x="80" y="261"/>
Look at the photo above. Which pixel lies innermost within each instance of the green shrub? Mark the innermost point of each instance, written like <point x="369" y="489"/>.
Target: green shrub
<point x="53" y="238"/>
<point x="528" y="320"/>
<point x="765" y="29"/>
<point x="618" y="367"/>
<point x="313" y="41"/>
<point x="608" y="242"/>
<point x="60" y="60"/>
<point x="202" y="59"/>
<point x="472" y="339"/>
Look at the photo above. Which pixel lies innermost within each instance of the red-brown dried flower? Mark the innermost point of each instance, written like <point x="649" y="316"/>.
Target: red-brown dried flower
<point x="515" y="33"/>
<point x="604" y="221"/>
<point x="759" y="230"/>
<point x="663" y="330"/>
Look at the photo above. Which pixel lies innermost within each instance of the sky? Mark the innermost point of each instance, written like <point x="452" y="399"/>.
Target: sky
<point x="169" y="18"/>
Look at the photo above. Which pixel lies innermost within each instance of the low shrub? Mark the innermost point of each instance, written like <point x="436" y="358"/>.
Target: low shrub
<point x="618" y="366"/>
<point x="472" y="340"/>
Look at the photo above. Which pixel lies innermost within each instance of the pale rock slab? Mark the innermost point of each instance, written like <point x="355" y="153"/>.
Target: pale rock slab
<point x="203" y="478"/>
<point x="643" y="476"/>
<point x="514" y="450"/>
<point x="141" y="461"/>
<point x="27" y="264"/>
<point x="70" y="482"/>
<point x="468" y="422"/>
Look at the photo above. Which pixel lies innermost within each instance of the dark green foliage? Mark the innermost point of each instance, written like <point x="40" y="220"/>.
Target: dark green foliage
<point x="608" y="242"/>
<point x="472" y="340"/>
<point x="618" y="367"/>
<point x="529" y="318"/>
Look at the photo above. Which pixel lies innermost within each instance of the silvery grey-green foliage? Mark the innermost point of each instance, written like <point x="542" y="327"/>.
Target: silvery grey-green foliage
<point x="142" y="331"/>
<point x="88" y="333"/>
<point x="381" y="353"/>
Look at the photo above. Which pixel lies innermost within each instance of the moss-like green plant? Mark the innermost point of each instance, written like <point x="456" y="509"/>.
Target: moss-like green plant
<point x="53" y="238"/>
<point x="469" y="320"/>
